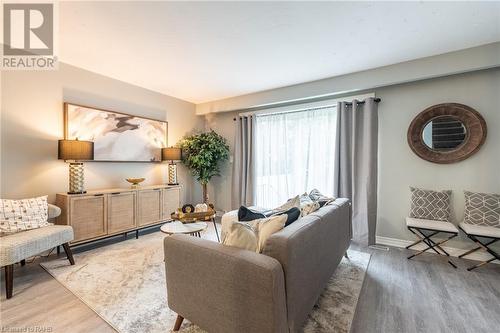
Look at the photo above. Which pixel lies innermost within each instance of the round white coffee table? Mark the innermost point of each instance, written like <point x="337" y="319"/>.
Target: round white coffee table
<point x="177" y="227"/>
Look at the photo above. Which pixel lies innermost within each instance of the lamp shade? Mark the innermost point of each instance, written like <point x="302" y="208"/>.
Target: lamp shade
<point x="75" y="150"/>
<point x="171" y="154"/>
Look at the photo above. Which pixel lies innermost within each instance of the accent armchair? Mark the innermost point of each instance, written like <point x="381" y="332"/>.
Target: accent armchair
<point x="16" y="248"/>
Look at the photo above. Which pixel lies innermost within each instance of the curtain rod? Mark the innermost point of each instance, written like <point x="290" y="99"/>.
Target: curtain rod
<point x="376" y="100"/>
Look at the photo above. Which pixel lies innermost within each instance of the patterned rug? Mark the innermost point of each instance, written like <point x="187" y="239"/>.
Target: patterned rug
<point x="124" y="283"/>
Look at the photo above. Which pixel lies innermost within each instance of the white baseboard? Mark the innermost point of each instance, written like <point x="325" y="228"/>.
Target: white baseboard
<point x="453" y="251"/>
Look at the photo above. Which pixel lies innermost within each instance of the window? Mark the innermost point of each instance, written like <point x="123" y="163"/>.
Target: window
<point x="294" y="153"/>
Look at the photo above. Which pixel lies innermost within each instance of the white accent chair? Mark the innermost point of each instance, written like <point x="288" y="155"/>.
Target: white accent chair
<point x="484" y="236"/>
<point x="25" y="244"/>
<point x="425" y="230"/>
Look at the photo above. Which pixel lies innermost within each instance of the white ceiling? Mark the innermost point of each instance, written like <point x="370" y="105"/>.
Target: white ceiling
<point x="203" y="51"/>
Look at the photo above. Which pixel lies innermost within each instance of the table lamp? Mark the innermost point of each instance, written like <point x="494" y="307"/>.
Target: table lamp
<point x="73" y="152"/>
<point x="171" y="154"/>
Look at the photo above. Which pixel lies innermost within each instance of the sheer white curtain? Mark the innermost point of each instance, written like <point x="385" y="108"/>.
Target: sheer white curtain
<point x="294" y="153"/>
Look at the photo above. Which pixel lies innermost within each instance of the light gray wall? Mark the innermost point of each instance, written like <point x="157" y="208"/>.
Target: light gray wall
<point x="399" y="167"/>
<point x="32" y="122"/>
<point x="472" y="59"/>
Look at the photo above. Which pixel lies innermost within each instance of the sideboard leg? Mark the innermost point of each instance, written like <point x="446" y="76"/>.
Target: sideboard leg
<point x="69" y="253"/>
<point x="137" y="234"/>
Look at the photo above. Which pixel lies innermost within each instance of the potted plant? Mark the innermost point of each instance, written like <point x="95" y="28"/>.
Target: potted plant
<point x="202" y="154"/>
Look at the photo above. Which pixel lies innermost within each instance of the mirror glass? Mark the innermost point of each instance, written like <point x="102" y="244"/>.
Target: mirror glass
<point x="444" y="133"/>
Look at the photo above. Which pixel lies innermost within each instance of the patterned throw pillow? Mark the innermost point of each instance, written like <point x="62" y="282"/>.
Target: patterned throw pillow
<point x="307" y="206"/>
<point x="430" y="205"/>
<point x="20" y="215"/>
<point x="322" y="199"/>
<point x="482" y="209"/>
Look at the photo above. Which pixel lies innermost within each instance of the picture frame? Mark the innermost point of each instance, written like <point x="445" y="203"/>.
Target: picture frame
<point x="117" y="136"/>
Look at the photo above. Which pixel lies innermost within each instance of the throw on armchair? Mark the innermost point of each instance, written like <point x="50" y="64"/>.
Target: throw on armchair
<point x="19" y="246"/>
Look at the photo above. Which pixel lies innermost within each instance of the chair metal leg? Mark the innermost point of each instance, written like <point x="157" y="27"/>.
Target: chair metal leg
<point x="484" y="246"/>
<point x="482" y="263"/>
<point x="69" y="253"/>
<point x="178" y="323"/>
<point x="9" y="280"/>
<point x="423" y="239"/>
<point x="431" y="245"/>
<point x="469" y="252"/>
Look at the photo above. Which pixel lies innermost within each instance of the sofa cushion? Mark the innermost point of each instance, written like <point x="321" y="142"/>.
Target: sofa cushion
<point x="22" y="245"/>
<point x="482" y="209"/>
<point x="430" y="205"/>
<point x="25" y="214"/>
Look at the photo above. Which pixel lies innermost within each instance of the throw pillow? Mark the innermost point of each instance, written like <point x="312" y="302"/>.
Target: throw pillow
<point x="26" y="214"/>
<point x="241" y="235"/>
<point x="293" y="202"/>
<point x="292" y="215"/>
<point x="322" y="199"/>
<point x="430" y="205"/>
<point x="307" y="206"/>
<point x="482" y="209"/>
<point x="247" y="214"/>
<point x="254" y="234"/>
<point x="264" y="228"/>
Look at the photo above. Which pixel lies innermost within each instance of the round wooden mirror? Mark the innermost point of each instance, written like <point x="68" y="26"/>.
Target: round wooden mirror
<point x="447" y="133"/>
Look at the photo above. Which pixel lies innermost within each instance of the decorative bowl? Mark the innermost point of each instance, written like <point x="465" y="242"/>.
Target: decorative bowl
<point x="135" y="181"/>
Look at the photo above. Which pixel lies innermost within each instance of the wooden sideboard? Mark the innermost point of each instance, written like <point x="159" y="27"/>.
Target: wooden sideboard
<point x="103" y="213"/>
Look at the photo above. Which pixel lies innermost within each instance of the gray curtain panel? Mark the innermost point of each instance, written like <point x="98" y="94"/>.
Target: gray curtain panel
<point x="243" y="164"/>
<point x="355" y="165"/>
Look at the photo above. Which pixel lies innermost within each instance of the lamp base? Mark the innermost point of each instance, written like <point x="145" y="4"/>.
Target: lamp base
<point x="76" y="178"/>
<point x="82" y="192"/>
<point x="172" y="174"/>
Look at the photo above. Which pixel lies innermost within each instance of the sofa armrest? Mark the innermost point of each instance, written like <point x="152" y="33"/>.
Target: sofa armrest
<point x="222" y="288"/>
<point x="54" y="211"/>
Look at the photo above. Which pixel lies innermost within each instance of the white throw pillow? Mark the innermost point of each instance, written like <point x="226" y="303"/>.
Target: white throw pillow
<point x="241" y="235"/>
<point x="254" y="234"/>
<point x="266" y="227"/>
<point x="25" y="214"/>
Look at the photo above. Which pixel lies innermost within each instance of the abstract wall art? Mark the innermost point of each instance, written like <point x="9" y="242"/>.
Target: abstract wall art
<point x="117" y="137"/>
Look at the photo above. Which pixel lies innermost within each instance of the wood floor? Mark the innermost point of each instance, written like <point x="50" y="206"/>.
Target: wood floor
<point x="422" y="295"/>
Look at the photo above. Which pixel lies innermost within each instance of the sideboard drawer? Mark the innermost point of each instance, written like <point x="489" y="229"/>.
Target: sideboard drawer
<point x="149" y="206"/>
<point x="88" y="216"/>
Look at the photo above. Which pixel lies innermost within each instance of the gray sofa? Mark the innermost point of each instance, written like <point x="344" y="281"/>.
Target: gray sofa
<point x="226" y="289"/>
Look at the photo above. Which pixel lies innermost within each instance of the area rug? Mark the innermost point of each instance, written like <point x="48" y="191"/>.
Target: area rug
<point x="124" y="283"/>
